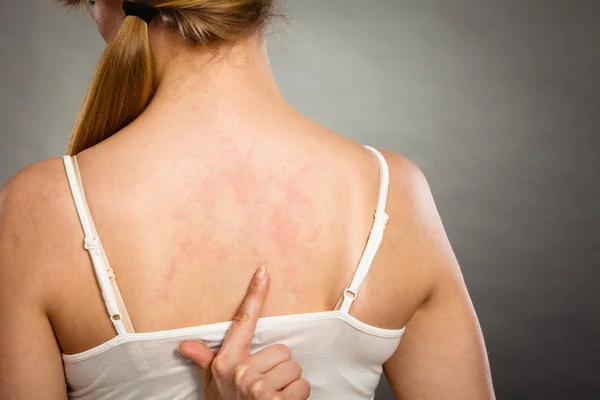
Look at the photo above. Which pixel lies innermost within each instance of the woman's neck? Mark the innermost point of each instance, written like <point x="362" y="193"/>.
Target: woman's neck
<point x="231" y="86"/>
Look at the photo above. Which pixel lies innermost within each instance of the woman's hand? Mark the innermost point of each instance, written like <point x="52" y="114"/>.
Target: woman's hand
<point x="236" y="374"/>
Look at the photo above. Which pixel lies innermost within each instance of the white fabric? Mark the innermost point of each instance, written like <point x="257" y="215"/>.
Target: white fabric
<point x="341" y="356"/>
<point x="91" y="242"/>
<point x="375" y="236"/>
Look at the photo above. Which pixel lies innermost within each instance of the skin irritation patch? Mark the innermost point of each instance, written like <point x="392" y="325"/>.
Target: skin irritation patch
<point x="245" y="202"/>
<point x="293" y="212"/>
<point x="170" y="276"/>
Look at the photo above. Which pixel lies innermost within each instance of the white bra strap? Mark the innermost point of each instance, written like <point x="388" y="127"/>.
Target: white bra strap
<point x="375" y="236"/>
<point x="104" y="273"/>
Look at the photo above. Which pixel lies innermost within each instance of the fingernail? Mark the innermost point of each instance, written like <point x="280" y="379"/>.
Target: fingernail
<point x="261" y="274"/>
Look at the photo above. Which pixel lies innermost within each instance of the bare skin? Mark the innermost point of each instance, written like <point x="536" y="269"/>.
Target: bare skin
<point x="220" y="174"/>
<point x="234" y="374"/>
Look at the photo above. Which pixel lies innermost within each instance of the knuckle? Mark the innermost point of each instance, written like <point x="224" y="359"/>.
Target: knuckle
<point x="284" y="351"/>
<point x="242" y="317"/>
<point x="297" y="367"/>
<point x="241" y="375"/>
<point x="259" y="391"/>
<point x="306" y="387"/>
<point x="219" y="367"/>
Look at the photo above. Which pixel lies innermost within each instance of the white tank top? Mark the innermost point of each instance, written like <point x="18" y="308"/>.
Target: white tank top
<point x="340" y="356"/>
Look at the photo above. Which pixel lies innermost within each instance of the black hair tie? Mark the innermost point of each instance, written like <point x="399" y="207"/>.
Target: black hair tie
<point x="140" y="10"/>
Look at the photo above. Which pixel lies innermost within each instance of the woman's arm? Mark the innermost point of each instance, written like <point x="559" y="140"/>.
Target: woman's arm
<point x="442" y="354"/>
<point x="30" y="359"/>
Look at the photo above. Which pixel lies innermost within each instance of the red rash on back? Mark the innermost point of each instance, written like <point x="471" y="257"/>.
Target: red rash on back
<point x="240" y="200"/>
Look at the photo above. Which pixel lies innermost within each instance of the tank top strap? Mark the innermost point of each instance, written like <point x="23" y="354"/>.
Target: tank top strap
<point x="104" y="273"/>
<point x="375" y="236"/>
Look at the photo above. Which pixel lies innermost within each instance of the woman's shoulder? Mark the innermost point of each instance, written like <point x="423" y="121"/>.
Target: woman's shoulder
<point x="403" y="171"/>
<point x="32" y="190"/>
<point x="33" y="213"/>
<point x="409" y="193"/>
<point x="415" y="240"/>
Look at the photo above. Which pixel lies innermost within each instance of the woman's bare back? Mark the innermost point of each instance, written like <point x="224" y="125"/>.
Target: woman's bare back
<point x="184" y="227"/>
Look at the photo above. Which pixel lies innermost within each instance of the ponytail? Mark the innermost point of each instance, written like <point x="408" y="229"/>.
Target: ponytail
<point x="120" y="89"/>
<point x="125" y="80"/>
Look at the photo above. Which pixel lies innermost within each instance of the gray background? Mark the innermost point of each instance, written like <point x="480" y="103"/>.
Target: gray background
<point x="498" y="101"/>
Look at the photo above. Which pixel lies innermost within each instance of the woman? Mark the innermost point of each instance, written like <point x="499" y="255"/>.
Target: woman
<point x="195" y="169"/>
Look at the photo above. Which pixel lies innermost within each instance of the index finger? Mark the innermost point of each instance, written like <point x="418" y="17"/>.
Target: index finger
<point x="242" y="328"/>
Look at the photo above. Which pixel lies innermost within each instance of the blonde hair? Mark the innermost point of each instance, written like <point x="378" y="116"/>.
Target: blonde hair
<point x="125" y="80"/>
